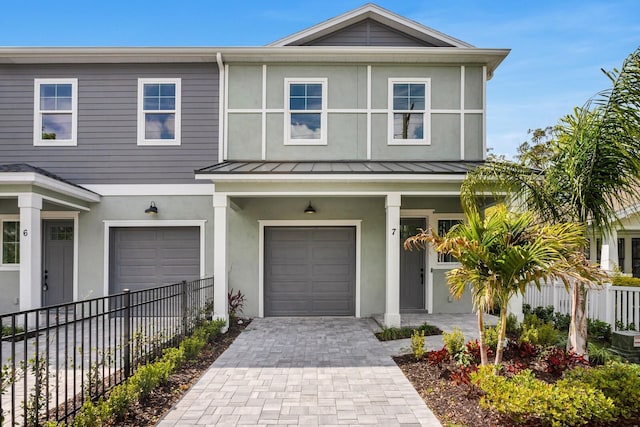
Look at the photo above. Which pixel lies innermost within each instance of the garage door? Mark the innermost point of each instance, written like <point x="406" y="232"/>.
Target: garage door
<point x="310" y="271"/>
<point x="144" y="257"/>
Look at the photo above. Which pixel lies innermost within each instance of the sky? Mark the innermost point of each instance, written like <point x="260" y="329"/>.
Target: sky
<point x="558" y="48"/>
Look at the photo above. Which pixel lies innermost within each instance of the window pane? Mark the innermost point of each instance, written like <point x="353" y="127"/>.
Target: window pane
<point x="400" y="89"/>
<point x="305" y="126"/>
<point x="168" y="89"/>
<point x="56" y="126"/>
<point x="314" y="103"/>
<point x="47" y="103"/>
<point x="63" y="104"/>
<point x="151" y="103"/>
<point x="400" y="103"/>
<point x="151" y="89"/>
<point x="444" y="225"/>
<point x="297" y="104"/>
<point x="167" y="103"/>
<point x="416" y="90"/>
<point x="408" y="126"/>
<point x="160" y="126"/>
<point x="48" y="90"/>
<point x="10" y="242"/>
<point x="314" y="89"/>
<point x="297" y="89"/>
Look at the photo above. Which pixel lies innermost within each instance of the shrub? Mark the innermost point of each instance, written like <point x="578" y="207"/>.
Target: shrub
<point x="524" y="349"/>
<point x="436" y="357"/>
<point x="210" y="330"/>
<point x="236" y="304"/>
<point x="562" y="321"/>
<point x="491" y="337"/>
<point x="175" y="357"/>
<point x="538" y="332"/>
<point x="625" y="281"/>
<point x="618" y="381"/>
<point x="390" y="334"/>
<point x="91" y="414"/>
<point x="599" y="329"/>
<point x="453" y="341"/>
<point x="601" y="355"/>
<point x="121" y="398"/>
<point x="512" y="324"/>
<point x="558" y="360"/>
<point x="192" y="346"/>
<point x="524" y="398"/>
<point x="417" y="344"/>
<point x="150" y="376"/>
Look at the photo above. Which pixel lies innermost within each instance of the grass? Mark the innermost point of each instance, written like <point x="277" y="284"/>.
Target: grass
<point x="390" y="334"/>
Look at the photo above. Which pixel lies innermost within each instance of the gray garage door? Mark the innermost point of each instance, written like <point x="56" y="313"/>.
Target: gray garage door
<point x="144" y="257"/>
<point x="310" y="271"/>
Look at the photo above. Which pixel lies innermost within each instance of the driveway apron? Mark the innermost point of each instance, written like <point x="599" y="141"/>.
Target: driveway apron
<point x="303" y="371"/>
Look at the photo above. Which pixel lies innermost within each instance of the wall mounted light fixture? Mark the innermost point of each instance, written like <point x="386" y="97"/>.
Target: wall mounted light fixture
<point x="309" y="209"/>
<point x="152" y="209"/>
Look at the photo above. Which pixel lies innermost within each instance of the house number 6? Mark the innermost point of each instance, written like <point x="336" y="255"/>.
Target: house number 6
<point x="25" y="232"/>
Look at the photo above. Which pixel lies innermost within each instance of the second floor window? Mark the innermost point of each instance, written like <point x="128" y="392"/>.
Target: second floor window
<point x="10" y="239"/>
<point x="56" y="112"/>
<point x="159" y="112"/>
<point x="409" y="111"/>
<point x="306" y="111"/>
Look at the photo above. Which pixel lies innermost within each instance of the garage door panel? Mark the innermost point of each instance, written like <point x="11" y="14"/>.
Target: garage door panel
<point x="144" y="257"/>
<point x="309" y="271"/>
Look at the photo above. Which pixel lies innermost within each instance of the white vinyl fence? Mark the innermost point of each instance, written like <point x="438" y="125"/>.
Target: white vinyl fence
<point x="616" y="305"/>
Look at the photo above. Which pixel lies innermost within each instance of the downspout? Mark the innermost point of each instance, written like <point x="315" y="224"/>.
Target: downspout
<point x="222" y="143"/>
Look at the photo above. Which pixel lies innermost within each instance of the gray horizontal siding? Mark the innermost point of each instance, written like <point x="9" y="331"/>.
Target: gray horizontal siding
<point x="107" y="150"/>
<point x="368" y="33"/>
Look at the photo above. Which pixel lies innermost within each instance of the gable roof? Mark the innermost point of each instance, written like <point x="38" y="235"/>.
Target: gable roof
<point x="376" y="13"/>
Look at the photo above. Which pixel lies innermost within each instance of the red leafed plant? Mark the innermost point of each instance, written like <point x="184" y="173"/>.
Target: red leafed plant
<point x="236" y="303"/>
<point x="436" y="357"/>
<point x="558" y="360"/>
<point x="462" y="375"/>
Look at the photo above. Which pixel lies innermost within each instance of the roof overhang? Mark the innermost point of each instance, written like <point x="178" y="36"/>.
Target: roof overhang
<point x="287" y="54"/>
<point x="47" y="183"/>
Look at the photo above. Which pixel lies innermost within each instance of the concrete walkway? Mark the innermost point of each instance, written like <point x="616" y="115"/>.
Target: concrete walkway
<point x="303" y="371"/>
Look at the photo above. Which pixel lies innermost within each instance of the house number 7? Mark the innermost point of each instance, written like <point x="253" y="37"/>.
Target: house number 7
<point x="25" y="232"/>
<point x="393" y="231"/>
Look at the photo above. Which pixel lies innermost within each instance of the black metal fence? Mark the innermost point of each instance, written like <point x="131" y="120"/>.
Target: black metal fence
<point x="55" y="357"/>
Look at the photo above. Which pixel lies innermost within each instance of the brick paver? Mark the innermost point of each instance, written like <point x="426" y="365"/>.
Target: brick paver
<point x="303" y="371"/>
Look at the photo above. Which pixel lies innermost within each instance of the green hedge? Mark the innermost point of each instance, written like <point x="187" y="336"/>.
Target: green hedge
<point x="625" y="281"/>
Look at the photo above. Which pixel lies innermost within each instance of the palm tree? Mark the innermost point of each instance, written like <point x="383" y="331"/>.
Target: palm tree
<point x="593" y="169"/>
<point x="500" y="253"/>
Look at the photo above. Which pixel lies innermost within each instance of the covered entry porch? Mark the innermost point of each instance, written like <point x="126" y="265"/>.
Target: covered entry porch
<point x="39" y="222"/>
<point x="299" y="243"/>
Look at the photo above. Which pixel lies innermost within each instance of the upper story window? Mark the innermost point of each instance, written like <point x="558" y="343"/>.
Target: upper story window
<point x="55" y="112"/>
<point x="159" y="111"/>
<point x="409" y="105"/>
<point x="306" y="113"/>
<point x="10" y="242"/>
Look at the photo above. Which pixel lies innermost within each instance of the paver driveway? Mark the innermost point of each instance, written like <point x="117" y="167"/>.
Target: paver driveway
<point x="303" y="371"/>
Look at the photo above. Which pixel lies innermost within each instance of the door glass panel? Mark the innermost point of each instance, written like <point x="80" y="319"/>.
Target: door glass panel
<point x="61" y="233"/>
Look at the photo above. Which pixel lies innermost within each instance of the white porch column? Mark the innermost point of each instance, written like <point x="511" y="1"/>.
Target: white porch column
<point x="392" y="290"/>
<point x="220" y="271"/>
<point x="609" y="251"/>
<point x="30" y="251"/>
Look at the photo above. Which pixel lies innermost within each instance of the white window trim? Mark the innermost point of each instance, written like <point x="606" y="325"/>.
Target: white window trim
<point x="437" y="264"/>
<point x="427" y="112"/>
<point x="3" y="219"/>
<point x="37" y="114"/>
<point x="141" y="114"/>
<point x="287" y="116"/>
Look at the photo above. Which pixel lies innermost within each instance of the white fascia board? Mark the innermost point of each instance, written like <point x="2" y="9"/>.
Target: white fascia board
<point x="372" y="11"/>
<point x="47" y="183"/>
<point x="151" y="189"/>
<point x="333" y="177"/>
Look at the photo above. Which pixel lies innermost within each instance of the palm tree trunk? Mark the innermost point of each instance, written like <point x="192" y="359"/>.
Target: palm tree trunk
<point x="484" y="359"/>
<point x="501" y="333"/>
<point x="578" y="327"/>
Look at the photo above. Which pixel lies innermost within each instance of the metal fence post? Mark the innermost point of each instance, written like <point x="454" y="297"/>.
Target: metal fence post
<point x="185" y="329"/>
<point x="127" y="333"/>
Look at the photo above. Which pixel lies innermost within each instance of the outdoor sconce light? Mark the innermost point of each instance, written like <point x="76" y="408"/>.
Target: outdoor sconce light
<point x="309" y="209"/>
<point x="152" y="209"/>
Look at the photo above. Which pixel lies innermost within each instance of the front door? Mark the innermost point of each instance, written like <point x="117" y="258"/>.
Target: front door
<point x="412" y="263"/>
<point x="57" y="283"/>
